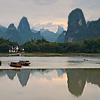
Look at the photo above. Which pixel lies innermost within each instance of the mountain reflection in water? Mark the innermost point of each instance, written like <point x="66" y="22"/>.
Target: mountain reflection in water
<point x="23" y="75"/>
<point x="76" y="78"/>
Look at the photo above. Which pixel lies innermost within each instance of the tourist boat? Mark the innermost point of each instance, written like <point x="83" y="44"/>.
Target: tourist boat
<point x="15" y="64"/>
<point x="24" y="62"/>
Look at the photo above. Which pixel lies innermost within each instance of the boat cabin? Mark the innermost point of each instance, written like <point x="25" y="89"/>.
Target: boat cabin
<point x="24" y="62"/>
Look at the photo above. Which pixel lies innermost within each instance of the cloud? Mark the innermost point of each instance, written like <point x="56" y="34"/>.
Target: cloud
<point x="44" y="2"/>
<point x="93" y="4"/>
<point x="43" y="11"/>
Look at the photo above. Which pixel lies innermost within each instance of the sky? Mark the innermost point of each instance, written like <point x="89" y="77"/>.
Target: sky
<point x="46" y="13"/>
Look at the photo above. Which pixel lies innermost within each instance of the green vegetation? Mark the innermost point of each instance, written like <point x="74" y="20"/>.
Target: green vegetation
<point x="5" y="45"/>
<point x="42" y="54"/>
<point x="43" y="46"/>
<point x="60" y="54"/>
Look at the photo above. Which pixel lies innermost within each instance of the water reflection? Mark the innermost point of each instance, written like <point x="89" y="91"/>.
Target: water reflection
<point x="76" y="78"/>
<point x="11" y="74"/>
<point x="76" y="81"/>
<point x="93" y="76"/>
<point x="23" y="75"/>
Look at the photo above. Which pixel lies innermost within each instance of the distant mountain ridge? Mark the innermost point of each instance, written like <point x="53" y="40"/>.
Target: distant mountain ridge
<point x="21" y="34"/>
<point x="51" y="36"/>
<point x="61" y="37"/>
<point x="77" y="30"/>
<point x="13" y="34"/>
<point x="60" y="30"/>
<point x="48" y="35"/>
<point x="2" y="28"/>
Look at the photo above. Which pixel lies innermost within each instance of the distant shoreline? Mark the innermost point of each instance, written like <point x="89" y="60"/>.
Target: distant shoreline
<point x="48" y="54"/>
<point x="63" y="55"/>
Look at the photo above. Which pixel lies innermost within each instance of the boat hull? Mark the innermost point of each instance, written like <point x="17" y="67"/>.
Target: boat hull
<point x="15" y="64"/>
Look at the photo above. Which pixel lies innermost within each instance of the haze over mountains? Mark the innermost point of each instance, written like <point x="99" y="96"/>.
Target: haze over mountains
<point x="51" y="36"/>
<point x="23" y="33"/>
<point x="77" y="30"/>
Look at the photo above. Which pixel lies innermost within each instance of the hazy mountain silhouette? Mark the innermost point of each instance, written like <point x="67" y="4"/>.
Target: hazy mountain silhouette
<point x="60" y="30"/>
<point x="77" y="30"/>
<point x="2" y="29"/>
<point x="61" y="37"/>
<point x="20" y="35"/>
<point x="13" y="34"/>
<point x="48" y="35"/>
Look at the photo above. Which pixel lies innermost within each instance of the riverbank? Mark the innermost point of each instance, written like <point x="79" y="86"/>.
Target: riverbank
<point x="59" y="54"/>
<point x="48" y="54"/>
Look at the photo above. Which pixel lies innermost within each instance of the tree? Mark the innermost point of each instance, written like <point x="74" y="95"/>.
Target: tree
<point x="4" y="48"/>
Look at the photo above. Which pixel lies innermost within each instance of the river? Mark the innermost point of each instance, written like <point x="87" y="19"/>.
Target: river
<point x="54" y="62"/>
<point x="51" y="78"/>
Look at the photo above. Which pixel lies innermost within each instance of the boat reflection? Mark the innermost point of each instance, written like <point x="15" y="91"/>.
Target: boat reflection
<point x="76" y="78"/>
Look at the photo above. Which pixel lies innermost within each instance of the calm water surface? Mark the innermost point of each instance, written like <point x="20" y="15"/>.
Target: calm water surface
<point x="65" y="78"/>
<point x="54" y="62"/>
